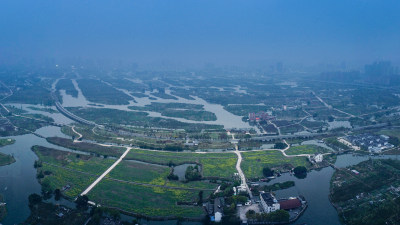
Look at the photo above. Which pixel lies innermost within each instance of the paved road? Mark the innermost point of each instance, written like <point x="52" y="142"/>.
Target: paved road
<point x="72" y="116"/>
<point x="106" y="172"/>
<point x="78" y="139"/>
<point x="240" y="172"/>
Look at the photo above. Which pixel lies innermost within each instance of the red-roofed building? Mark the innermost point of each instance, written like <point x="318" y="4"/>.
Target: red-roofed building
<point x="290" y="204"/>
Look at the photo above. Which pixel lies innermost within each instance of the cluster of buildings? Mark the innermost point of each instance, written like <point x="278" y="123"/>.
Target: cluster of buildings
<point x="260" y="116"/>
<point x="371" y="142"/>
<point x="270" y="204"/>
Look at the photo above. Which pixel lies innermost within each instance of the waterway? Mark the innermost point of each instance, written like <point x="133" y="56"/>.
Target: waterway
<point x="315" y="189"/>
<point x="181" y="170"/>
<point x="18" y="180"/>
<point x="225" y="118"/>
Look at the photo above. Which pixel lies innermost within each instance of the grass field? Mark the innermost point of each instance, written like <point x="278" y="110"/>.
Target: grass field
<point x="148" y="201"/>
<point x="213" y="164"/>
<point x="254" y="162"/>
<point x="61" y="177"/>
<point x="140" y="172"/>
<point x="79" y="162"/>
<point x="6" y="141"/>
<point x="306" y="149"/>
<point x="65" y="168"/>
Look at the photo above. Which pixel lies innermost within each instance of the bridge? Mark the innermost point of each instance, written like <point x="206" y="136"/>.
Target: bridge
<point x="72" y="116"/>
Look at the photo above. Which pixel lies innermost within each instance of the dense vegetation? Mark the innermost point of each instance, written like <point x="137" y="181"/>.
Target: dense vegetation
<point x="140" y="119"/>
<point x="99" y="92"/>
<point x="369" y="197"/>
<point x="254" y="162"/>
<point x="87" y="147"/>
<point x="68" y="86"/>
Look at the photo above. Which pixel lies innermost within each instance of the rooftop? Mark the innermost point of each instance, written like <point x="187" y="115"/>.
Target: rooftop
<point x="290" y="204"/>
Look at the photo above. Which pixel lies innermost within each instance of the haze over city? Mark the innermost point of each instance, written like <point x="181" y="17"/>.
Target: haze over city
<point x="211" y="112"/>
<point x="187" y="34"/>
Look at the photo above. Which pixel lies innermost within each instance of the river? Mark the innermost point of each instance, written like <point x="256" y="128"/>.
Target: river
<point x="225" y="118"/>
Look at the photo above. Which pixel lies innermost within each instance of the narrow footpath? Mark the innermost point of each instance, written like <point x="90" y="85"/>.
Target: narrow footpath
<point x="106" y="172"/>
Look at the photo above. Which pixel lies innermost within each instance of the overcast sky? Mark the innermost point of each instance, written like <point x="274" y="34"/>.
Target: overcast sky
<point x="191" y="32"/>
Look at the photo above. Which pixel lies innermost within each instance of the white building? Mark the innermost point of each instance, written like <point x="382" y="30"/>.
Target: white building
<point x="318" y="158"/>
<point x="217" y="217"/>
<point x="269" y="202"/>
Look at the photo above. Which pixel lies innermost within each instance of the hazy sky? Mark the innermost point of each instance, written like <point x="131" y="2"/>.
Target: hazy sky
<point x="188" y="32"/>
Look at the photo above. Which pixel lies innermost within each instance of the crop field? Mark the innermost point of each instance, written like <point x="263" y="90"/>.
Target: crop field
<point x="306" y="149"/>
<point x="78" y="162"/>
<point x="254" y="162"/>
<point x="148" y="201"/>
<point x="213" y="164"/>
<point x="64" y="168"/>
<point x="140" y="172"/>
<point x="193" y="184"/>
<point x="60" y="177"/>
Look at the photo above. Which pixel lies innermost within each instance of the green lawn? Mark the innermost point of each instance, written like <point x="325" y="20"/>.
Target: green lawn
<point x="213" y="164"/>
<point x="254" y="162"/>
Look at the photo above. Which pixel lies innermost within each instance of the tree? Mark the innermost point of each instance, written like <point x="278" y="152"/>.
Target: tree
<point x="268" y="172"/>
<point x="192" y="173"/>
<point x="82" y="201"/>
<point x="57" y="194"/>
<point x="200" y="198"/>
<point x="278" y="216"/>
<point x="394" y="141"/>
<point x="34" y="199"/>
<point x="300" y="172"/>
<point x="280" y="145"/>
